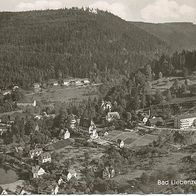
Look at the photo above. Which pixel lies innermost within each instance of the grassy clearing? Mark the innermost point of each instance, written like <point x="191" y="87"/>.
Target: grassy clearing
<point x="63" y="94"/>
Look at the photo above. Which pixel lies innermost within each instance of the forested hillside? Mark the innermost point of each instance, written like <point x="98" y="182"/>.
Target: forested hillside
<point x="40" y="45"/>
<point x="178" y="35"/>
<point x="169" y="65"/>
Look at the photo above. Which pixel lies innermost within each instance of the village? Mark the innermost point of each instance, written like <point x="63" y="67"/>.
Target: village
<point x="65" y="152"/>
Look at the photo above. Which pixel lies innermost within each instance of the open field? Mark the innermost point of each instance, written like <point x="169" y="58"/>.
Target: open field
<point x="131" y="139"/>
<point x="63" y="94"/>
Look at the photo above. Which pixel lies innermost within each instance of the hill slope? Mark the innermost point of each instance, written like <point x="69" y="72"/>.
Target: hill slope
<point x="177" y="35"/>
<point x="40" y="45"/>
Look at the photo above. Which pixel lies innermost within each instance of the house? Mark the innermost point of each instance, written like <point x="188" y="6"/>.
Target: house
<point x="7" y="92"/>
<point x="38" y="117"/>
<point x="106" y="105"/>
<point x="3" y="192"/>
<point x="108" y="172"/>
<point x="55" y="190"/>
<point x="37" y="171"/>
<point x="45" y="158"/>
<point x="79" y="83"/>
<point x="36" y="87"/>
<point x="111" y="116"/>
<point x="94" y="135"/>
<point x="25" y="192"/>
<point x="66" y="82"/>
<point x="71" y="174"/>
<point x="86" y="81"/>
<point x="53" y="82"/>
<point x="37" y="127"/>
<point x="3" y="129"/>
<point x="26" y="104"/>
<point x="72" y="83"/>
<point x="19" y="149"/>
<point x="121" y="143"/>
<point x="35" y="153"/>
<point x="60" y="181"/>
<point x="155" y="121"/>
<point x="15" y="88"/>
<point x="92" y="127"/>
<point x="185" y="121"/>
<point x="64" y="134"/>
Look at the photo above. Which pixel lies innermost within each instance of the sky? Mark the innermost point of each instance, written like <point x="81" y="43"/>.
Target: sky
<point x="155" y="11"/>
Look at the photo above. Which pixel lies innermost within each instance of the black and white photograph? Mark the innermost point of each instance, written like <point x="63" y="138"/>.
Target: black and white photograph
<point x="97" y="97"/>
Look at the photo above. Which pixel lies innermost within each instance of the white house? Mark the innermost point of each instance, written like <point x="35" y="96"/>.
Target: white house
<point x="60" y="181"/>
<point x="185" y="121"/>
<point x="3" y="192"/>
<point x="8" y="92"/>
<point x="108" y="172"/>
<point x="27" y="104"/>
<point x="15" y="87"/>
<point x="55" y="190"/>
<point x="86" y="81"/>
<point x="79" y="83"/>
<point x="122" y="144"/>
<point x="37" y="171"/>
<point x="36" y="85"/>
<point x="3" y="130"/>
<point x="94" y="135"/>
<point x="66" y="83"/>
<point x="66" y="135"/>
<point x="71" y="173"/>
<point x="92" y="127"/>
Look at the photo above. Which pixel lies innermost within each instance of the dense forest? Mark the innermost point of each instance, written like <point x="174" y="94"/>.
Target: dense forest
<point x="178" y="64"/>
<point x="39" y="45"/>
<point x="179" y="35"/>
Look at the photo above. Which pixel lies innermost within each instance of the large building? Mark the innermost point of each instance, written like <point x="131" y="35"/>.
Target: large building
<point x="185" y="121"/>
<point x="76" y="82"/>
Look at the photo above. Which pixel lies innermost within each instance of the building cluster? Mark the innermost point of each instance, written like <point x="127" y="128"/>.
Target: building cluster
<point x="184" y="122"/>
<point x="73" y="82"/>
<point x="9" y="91"/>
